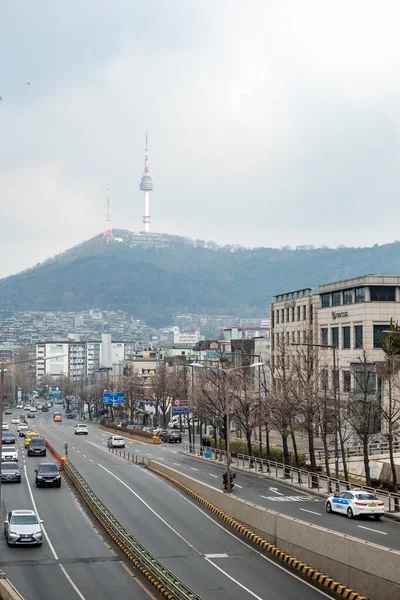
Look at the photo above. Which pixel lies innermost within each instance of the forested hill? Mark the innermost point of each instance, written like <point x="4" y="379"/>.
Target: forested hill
<point x="183" y="275"/>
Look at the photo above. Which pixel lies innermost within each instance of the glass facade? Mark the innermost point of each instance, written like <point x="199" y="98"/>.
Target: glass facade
<point x="335" y="336"/>
<point x="336" y="298"/>
<point x="360" y="294"/>
<point x="348" y="297"/>
<point x="378" y="330"/>
<point x="346" y="381"/>
<point x="358" y="336"/>
<point x="383" y="293"/>
<point x="346" y="338"/>
<point x="325" y="300"/>
<point x="324" y="336"/>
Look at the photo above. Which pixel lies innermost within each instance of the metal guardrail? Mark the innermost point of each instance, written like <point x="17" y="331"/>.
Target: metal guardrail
<point x="301" y="477"/>
<point x="176" y="587"/>
<point x="358" y="451"/>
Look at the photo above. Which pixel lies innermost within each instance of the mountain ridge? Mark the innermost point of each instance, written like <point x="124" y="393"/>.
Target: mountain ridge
<point x="176" y="274"/>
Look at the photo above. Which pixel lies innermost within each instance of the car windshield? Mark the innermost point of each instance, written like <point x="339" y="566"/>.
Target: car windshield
<point x="35" y="441"/>
<point x="48" y="469"/>
<point x="7" y="450"/>
<point x="8" y="435"/>
<point x="118" y="438"/>
<point x="8" y="466"/>
<point x="23" y="520"/>
<point x="365" y="497"/>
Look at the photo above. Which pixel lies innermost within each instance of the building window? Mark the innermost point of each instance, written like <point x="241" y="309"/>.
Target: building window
<point x="324" y="336"/>
<point x="283" y="315"/>
<point x="378" y="329"/>
<point x="287" y="338"/>
<point x="346" y="338"/>
<point x="277" y="317"/>
<point x="304" y="312"/>
<point x="382" y="293"/>
<point x="325" y="300"/>
<point x="292" y="313"/>
<point x="358" y="336"/>
<point x="287" y="316"/>
<point x="335" y="336"/>
<point x="298" y="337"/>
<point x="346" y="381"/>
<point x="293" y="340"/>
<point x="298" y="313"/>
<point x="360" y="294"/>
<point x="348" y="297"/>
<point x="304" y="337"/>
<point x="336" y="299"/>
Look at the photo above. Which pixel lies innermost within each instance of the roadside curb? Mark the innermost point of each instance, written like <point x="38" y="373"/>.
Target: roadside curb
<point x="131" y="436"/>
<point x="291" y="561"/>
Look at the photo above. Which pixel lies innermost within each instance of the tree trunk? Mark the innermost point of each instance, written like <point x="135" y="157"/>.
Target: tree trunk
<point x="248" y="441"/>
<point x="324" y="438"/>
<point x="286" y="455"/>
<point x="366" y="461"/>
<point x="311" y="448"/>
<point x="344" y="459"/>
<point x="393" y="468"/>
<point x="295" y="453"/>
<point x="267" y="445"/>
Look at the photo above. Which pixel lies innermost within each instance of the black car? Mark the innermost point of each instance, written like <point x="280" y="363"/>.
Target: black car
<point x="70" y="415"/>
<point x="7" y="437"/>
<point x="36" y="447"/>
<point x="171" y="435"/>
<point x="47" y="474"/>
<point x="45" y="408"/>
<point x="31" y="415"/>
<point x="10" y="472"/>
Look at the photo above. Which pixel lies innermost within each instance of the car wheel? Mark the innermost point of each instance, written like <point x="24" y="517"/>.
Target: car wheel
<point x="328" y="507"/>
<point x="123" y="446"/>
<point x="180" y="441"/>
<point x="377" y="517"/>
<point x="169" y="441"/>
<point x="59" y="485"/>
<point x="39" y="544"/>
<point x="350" y="513"/>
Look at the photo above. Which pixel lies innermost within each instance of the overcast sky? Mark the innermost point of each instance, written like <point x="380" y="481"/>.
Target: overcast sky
<point x="270" y="123"/>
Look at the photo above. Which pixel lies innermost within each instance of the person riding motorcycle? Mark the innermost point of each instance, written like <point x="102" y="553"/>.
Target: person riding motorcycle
<point x="225" y="479"/>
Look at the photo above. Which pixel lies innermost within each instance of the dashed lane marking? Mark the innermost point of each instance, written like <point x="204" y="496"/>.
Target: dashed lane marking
<point x="311" y="512"/>
<point x="370" y="529"/>
<point x="211" y="475"/>
<point x="193" y="469"/>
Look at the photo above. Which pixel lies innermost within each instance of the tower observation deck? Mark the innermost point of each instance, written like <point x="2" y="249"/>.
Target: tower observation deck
<point x="146" y="186"/>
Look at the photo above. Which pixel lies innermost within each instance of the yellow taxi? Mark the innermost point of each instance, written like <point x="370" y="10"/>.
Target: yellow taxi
<point x="57" y="418"/>
<point x="29" y="435"/>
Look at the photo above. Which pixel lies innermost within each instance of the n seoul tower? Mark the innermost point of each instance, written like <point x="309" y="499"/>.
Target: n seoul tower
<point x="146" y="186"/>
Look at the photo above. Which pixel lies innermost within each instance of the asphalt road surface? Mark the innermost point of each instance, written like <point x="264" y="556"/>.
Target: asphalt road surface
<point x="74" y="561"/>
<point x="198" y="548"/>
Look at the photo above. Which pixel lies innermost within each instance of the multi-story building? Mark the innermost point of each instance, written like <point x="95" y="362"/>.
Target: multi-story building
<point x="348" y="317"/>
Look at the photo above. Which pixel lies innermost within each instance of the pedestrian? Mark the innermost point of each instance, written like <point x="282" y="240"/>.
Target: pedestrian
<point x="208" y="443"/>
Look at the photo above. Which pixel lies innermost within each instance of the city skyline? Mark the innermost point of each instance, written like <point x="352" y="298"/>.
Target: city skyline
<point x="269" y="134"/>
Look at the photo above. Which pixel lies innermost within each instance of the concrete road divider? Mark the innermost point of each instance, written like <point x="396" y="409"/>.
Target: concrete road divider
<point x="370" y="568"/>
<point x="7" y="590"/>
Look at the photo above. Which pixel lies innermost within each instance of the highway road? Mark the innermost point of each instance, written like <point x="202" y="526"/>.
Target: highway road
<point x="74" y="561"/>
<point x="198" y="548"/>
<point x="276" y="496"/>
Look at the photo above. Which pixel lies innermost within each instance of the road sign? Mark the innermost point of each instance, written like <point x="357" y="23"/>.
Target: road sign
<point x="113" y="397"/>
<point x="180" y="410"/>
<point x="57" y="395"/>
<point x="177" y="402"/>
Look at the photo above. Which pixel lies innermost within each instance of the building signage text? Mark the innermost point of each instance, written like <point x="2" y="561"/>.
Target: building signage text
<point x="290" y="304"/>
<point x="339" y="315"/>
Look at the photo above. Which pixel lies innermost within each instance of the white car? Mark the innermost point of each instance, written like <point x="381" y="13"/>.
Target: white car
<point x="15" y="421"/>
<point x="116" y="441"/>
<point x="27" y="407"/>
<point x="81" y="428"/>
<point x="23" y="527"/>
<point x="354" y="503"/>
<point x="5" y="427"/>
<point x="20" y="406"/>
<point x="33" y="409"/>
<point x="8" y="454"/>
<point x="22" y="429"/>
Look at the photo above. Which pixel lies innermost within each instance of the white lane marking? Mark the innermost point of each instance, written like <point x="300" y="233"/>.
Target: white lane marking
<point x="216" y="556"/>
<point x="159" y="458"/>
<point x="84" y="455"/>
<point x="239" y="486"/>
<point x="73" y="585"/>
<point x="275" y="490"/>
<point x="234" y="580"/>
<point x="177" y="464"/>
<point x="211" y="475"/>
<point x="311" y="511"/>
<point x="243" y="542"/>
<point x="91" y="460"/>
<point x="374" y="530"/>
<point x="193" y="469"/>
<point x="151" y="509"/>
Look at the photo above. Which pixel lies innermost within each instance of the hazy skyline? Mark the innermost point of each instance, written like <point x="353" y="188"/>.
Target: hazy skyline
<point x="270" y="124"/>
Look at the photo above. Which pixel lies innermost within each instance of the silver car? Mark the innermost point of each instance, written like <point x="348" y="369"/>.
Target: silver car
<point x="23" y="527"/>
<point x="9" y="453"/>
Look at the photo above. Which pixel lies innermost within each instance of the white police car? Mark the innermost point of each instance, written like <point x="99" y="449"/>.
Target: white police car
<point x="354" y="503"/>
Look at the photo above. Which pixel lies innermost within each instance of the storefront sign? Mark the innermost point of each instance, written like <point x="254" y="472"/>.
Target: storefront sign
<point x="290" y="304"/>
<point x="339" y="315"/>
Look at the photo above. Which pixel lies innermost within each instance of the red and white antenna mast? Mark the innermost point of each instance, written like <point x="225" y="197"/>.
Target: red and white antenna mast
<point x="108" y="231"/>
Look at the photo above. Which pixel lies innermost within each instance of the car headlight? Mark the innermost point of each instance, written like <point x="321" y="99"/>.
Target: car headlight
<point x="38" y="534"/>
<point x="58" y="476"/>
<point x="40" y="476"/>
<point x="14" y="533"/>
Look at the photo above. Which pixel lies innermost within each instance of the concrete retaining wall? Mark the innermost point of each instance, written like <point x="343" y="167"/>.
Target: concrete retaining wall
<point x="7" y="590"/>
<point x="370" y="569"/>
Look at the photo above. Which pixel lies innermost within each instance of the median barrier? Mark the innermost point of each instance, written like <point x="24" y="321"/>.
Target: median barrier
<point x="370" y="568"/>
<point x="7" y="590"/>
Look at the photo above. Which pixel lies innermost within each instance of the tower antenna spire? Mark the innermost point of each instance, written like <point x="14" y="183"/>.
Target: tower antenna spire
<point x="108" y="231"/>
<point x="146" y="185"/>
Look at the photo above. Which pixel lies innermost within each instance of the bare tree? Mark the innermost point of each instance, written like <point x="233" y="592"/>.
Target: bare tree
<point x="245" y="403"/>
<point x="160" y="390"/>
<point x="364" y="406"/>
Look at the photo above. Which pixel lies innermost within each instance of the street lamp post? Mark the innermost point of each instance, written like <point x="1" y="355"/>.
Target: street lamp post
<point x="225" y="373"/>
